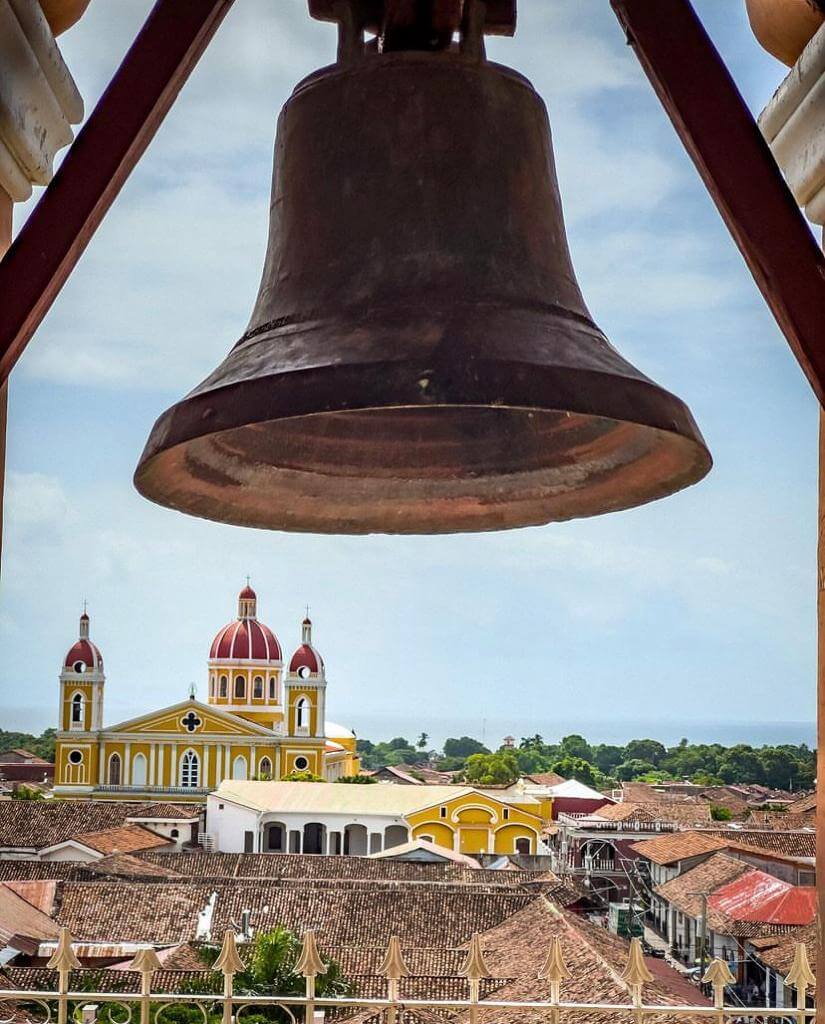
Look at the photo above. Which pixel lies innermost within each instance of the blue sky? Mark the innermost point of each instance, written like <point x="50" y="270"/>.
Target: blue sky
<point x="698" y="607"/>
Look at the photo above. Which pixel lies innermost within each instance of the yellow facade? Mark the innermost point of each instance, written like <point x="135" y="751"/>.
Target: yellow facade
<point x="262" y="720"/>
<point x="478" y="823"/>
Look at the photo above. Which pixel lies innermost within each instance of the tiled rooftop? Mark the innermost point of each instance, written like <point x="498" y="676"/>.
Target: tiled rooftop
<point x="26" y="824"/>
<point x="675" y="846"/>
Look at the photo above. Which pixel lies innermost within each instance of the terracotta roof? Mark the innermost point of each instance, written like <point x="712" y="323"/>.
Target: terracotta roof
<point x="126" y="865"/>
<point x="168" y="912"/>
<point x="160" y="811"/>
<point x="803" y="804"/>
<point x="792" y="844"/>
<point x="517" y="947"/>
<point x="777" y="951"/>
<point x="546" y="778"/>
<point x="625" y="812"/>
<point x="782" y="820"/>
<point x="112" y="980"/>
<point x="712" y="874"/>
<point x="26" y="824"/>
<point x="675" y="846"/>
<point x="22" y="923"/>
<point x="293" y="865"/>
<point x="126" y="839"/>
<point x="21" y="752"/>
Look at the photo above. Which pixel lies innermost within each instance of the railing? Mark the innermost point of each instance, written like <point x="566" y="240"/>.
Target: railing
<point x="230" y="1006"/>
<point x="182" y="790"/>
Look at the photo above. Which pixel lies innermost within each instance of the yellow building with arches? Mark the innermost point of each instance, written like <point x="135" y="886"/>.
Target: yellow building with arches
<point x="304" y="817"/>
<point x="264" y="719"/>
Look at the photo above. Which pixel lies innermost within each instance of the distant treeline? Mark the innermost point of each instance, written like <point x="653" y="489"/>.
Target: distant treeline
<point x="786" y="767"/>
<point x="42" y="745"/>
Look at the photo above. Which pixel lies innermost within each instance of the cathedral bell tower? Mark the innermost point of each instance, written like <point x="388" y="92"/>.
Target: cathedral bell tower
<point x="81" y="684"/>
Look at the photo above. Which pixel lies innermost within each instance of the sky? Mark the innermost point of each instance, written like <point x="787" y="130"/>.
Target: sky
<point x="694" y="610"/>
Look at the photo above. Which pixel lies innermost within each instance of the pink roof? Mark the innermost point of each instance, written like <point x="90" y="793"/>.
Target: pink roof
<point x="85" y="651"/>
<point x="246" y="640"/>
<point x="758" y="896"/>
<point x="306" y="657"/>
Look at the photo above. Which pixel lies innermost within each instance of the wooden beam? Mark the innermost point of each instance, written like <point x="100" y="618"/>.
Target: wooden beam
<point x="96" y="166"/>
<point x="738" y="169"/>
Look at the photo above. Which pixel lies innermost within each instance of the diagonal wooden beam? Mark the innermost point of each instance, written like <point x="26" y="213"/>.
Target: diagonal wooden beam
<point x="98" y="163"/>
<point x="737" y="167"/>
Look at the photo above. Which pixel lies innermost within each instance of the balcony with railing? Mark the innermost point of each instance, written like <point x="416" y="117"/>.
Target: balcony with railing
<point x="225" y="1005"/>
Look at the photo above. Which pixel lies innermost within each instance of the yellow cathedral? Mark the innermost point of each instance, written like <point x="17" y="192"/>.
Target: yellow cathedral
<point x="262" y="721"/>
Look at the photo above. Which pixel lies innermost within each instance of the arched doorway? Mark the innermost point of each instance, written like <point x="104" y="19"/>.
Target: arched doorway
<point x="275" y="837"/>
<point x="395" y="835"/>
<point x="114" y="770"/>
<point x="355" y="840"/>
<point x="315" y="837"/>
<point x="139" y="770"/>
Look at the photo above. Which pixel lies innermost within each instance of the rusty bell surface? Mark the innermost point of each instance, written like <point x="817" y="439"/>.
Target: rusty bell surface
<point x="420" y="358"/>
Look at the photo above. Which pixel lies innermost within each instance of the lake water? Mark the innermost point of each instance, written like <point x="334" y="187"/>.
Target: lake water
<point x="492" y="731"/>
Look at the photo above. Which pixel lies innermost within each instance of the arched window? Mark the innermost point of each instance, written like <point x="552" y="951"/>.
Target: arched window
<point x="114" y="770"/>
<point x="523" y="847"/>
<point x="265" y="768"/>
<point x="240" y="688"/>
<point x="77" y="709"/>
<point x="139" y="770"/>
<point x="302" y="713"/>
<point x="272" y="684"/>
<point x="190" y="769"/>
<point x="222" y="689"/>
<point x="258" y="687"/>
<point x="211" y="686"/>
<point x="239" y="767"/>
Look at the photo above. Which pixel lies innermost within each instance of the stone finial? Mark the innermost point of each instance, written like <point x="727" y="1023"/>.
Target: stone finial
<point x="719" y="976"/>
<point x="800" y="975"/>
<point x="474" y="968"/>
<point x="310" y="964"/>
<point x="636" y="973"/>
<point x="146" y="961"/>
<point x="63" y="958"/>
<point x="229" y="962"/>
<point x="393" y="966"/>
<point x="554" y="969"/>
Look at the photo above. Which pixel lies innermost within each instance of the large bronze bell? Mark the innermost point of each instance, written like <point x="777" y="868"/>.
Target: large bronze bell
<point x="420" y="358"/>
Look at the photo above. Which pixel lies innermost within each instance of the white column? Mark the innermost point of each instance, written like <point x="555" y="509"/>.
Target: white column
<point x="173" y="761"/>
<point x="101" y="768"/>
<point x="161" y="748"/>
<point x="127" y="764"/>
<point x="152" y="756"/>
<point x="205" y="780"/>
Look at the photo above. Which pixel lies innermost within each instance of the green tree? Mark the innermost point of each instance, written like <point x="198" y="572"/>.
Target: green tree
<point x="575" y="768"/>
<point x="491" y="769"/>
<point x="24" y="792"/>
<point x="645" y="750"/>
<point x="531" y="742"/>
<point x="464" y="746"/>
<point x="422" y="740"/>
<point x="357" y="780"/>
<point x="607" y="756"/>
<point x="627" y="771"/>
<point x="270" y="961"/>
<point x="301" y="777"/>
<point x="576" y="746"/>
<point x="741" y="764"/>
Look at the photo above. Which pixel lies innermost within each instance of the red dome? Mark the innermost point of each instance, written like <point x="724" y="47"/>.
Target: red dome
<point x="247" y="594"/>
<point x="306" y="657"/>
<point x="246" y="640"/>
<point x="85" y="653"/>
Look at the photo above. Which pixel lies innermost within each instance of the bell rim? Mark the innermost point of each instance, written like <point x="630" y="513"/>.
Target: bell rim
<point x="166" y="444"/>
